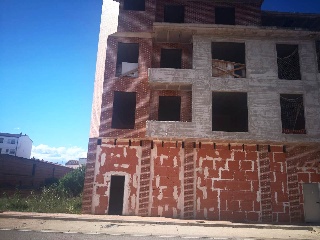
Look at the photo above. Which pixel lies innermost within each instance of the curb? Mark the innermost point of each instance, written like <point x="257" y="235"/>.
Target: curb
<point x="199" y="223"/>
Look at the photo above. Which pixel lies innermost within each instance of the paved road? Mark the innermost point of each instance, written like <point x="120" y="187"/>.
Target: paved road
<point x="25" y="226"/>
<point x="32" y="235"/>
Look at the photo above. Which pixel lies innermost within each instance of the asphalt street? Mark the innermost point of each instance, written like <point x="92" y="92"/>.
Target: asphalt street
<point x="33" y="235"/>
<point x="36" y="226"/>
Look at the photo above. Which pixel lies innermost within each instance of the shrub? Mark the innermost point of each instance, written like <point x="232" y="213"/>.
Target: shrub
<point x="65" y="196"/>
<point x="72" y="183"/>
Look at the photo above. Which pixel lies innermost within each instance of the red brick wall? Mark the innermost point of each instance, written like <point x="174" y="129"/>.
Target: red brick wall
<point x="227" y="183"/>
<point x="195" y="12"/>
<point x="137" y="21"/>
<point x="186" y="61"/>
<point x="203" y="11"/>
<point x="126" y="84"/>
<point x="17" y="172"/>
<point x="89" y="177"/>
<point x="119" y="159"/>
<point x="186" y="103"/>
<point x="166" y="179"/>
<point x="235" y="182"/>
<point x="303" y="166"/>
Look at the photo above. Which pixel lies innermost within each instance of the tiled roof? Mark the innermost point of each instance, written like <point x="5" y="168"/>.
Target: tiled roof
<point x="72" y="162"/>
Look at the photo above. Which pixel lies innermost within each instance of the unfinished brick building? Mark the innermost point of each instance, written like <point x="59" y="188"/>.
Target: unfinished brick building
<point x="206" y="109"/>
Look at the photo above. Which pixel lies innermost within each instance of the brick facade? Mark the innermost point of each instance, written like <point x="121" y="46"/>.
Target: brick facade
<point x="204" y="180"/>
<point x="203" y="12"/>
<point x="183" y="169"/>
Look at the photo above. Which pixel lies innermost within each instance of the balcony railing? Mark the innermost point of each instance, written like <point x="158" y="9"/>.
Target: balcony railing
<point x="226" y="69"/>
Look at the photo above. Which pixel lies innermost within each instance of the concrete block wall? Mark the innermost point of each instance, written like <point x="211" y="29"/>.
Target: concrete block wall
<point x="234" y="182"/>
<point x="262" y="86"/>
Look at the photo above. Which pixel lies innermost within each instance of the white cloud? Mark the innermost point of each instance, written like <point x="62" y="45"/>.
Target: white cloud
<point x="57" y="154"/>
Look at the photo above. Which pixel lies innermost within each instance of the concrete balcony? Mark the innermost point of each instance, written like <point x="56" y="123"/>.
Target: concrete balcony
<point x="171" y="79"/>
<point x="166" y="129"/>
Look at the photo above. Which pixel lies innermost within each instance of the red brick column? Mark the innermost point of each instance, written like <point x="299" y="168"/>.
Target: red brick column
<point x="89" y="178"/>
<point x="145" y="178"/>
<point x="265" y="187"/>
<point x="293" y="158"/>
<point x="189" y="179"/>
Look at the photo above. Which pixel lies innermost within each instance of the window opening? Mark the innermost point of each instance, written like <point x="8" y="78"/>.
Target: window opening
<point x="228" y="60"/>
<point x="116" y="195"/>
<point x="134" y="5"/>
<point x="169" y="108"/>
<point x="225" y="15"/>
<point x="171" y="58"/>
<point x="318" y="54"/>
<point x="288" y="62"/>
<point x="292" y="114"/>
<point x="124" y="108"/>
<point x="229" y="112"/>
<point x="11" y="141"/>
<point x="174" y="14"/>
<point x="127" y="60"/>
<point x="12" y="151"/>
<point x="1" y="140"/>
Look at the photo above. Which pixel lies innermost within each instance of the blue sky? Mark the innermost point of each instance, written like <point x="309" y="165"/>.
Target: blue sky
<point x="47" y="65"/>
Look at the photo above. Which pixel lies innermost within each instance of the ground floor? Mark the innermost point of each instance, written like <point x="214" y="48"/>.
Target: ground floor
<point x="203" y="180"/>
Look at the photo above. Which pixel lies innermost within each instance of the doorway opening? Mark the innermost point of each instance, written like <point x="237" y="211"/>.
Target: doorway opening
<point x="116" y="195"/>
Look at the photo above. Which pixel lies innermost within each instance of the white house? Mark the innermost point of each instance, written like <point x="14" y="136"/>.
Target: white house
<point x="15" y="144"/>
<point x="72" y="164"/>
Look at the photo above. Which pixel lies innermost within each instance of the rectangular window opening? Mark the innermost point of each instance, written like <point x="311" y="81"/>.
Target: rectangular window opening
<point x="127" y="60"/>
<point x="134" y="5"/>
<point x="288" y="62"/>
<point x="229" y="112"/>
<point x="318" y="54"/>
<point x="292" y="114"/>
<point x="228" y="60"/>
<point x="1" y="140"/>
<point x="225" y="15"/>
<point x="171" y="58"/>
<point x="12" y="151"/>
<point x="124" y="108"/>
<point x="174" y="14"/>
<point x="169" y="108"/>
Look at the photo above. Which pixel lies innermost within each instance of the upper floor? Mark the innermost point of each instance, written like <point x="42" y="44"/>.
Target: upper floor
<point x="140" y="15"/>
<point x="224" y="82"/>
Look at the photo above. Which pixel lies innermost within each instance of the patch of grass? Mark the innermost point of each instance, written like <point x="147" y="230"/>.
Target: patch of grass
<point x="50" y="200"/>
<point x="64" y="196"/>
